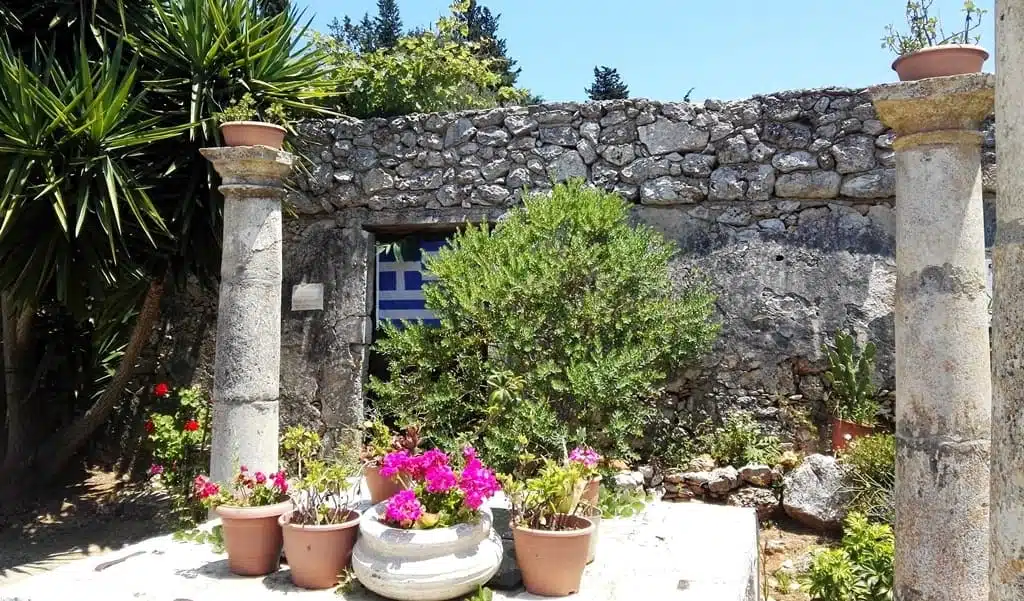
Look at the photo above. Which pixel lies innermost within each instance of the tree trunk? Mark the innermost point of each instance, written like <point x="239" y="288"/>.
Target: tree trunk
<point x="61" y="448"/>
<point x="18" y="339"/>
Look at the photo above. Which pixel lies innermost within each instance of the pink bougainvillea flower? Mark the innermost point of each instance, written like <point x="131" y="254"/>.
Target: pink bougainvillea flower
<point x="156" y="469"/>
<point x="403" y="509"/>
<point x="191" y="425"/>
<point x="395" y="463"/>
<point x="161" y="389"/>
<point x="476" y="481"/>
<point x="588" y="457"/>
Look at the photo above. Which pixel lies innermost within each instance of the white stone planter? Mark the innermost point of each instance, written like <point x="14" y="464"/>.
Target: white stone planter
<point x="425" y="565"/>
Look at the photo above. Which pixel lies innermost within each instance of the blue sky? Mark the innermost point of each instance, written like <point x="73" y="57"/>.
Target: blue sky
<point x="727" y="49"/>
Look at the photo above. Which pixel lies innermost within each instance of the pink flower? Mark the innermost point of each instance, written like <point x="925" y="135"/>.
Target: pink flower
<point x="260" y="477"/>
<point x="477" y="482"/>
<point x="204" y="487"/>
<point x="588" y="457"/>
<point x="156" y="469"/>
<point x="440" y="478"/>
<point x="403" y="509"/>
<point x="279" y="481"/>
<point x="395" y="463"/>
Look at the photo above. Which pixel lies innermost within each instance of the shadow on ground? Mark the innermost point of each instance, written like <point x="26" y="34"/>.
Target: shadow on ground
<point x="92" y="513"/>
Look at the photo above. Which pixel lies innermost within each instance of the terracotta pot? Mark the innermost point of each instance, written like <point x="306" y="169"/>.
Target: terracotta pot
<point x="252" y="133"/>
<point x="425" y="565"/>
<point x="317" y="555"/>
<point x="252" y="537"/>
<point x="381" y="488"/>
<point x="592" y="492"/>
<point x="842" y="428"/>
<point x="940" y="61"/>
<point x="594" y="515"/>
<point x="552" y="562"/>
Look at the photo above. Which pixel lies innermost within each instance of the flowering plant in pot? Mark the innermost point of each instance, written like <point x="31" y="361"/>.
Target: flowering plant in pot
<point x="552" y="538"/>
<point x="926" y="51"/>
<point x="585" y="462"/>
<point x="380" y="441"/>
<point x="249" y="511"/>
<point x="434" y="539"/>
<point x="321" y="530"/>
<point x="243" y="124"/>
<point x="851" y="399"/>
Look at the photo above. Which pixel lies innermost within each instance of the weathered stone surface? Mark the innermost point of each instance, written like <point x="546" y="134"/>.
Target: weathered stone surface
<point x="568" y="165"/>
<point x="815" y="494"/>
<point x="722" y="480"/>
<point x="669" y="190"/>
<point x="854" y="153"/>
<point x="758" y="475"/>
<point x="665" y="136"/>
<point x="762" y="500"/>
<point x="808" y="184"/>
<point x="880" y="183"/>
<point x="794" y="160"/>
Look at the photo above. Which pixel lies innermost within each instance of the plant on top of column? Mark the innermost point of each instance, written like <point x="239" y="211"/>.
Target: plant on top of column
<point x="249" y="511"/>
<point x="851" y="398"/>
<point x="320" y="531"/>
<point x="243" y="123"/>
<point x="434" y="538"/>
<point x="926" y="51"/>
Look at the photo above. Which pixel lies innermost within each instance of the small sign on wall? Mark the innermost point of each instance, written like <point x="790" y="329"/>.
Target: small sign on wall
<point x="308" y="297"/>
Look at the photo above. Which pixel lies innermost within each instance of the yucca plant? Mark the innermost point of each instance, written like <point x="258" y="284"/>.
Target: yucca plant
<point x="852" y="396"/>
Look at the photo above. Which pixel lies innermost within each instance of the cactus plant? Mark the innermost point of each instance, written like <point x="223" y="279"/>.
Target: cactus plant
<point x="852" y="397"/>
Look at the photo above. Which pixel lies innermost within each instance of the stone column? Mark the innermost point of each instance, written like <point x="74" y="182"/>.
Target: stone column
<point x="1006" y="568"/>
<point x="246" y="380"/>
<point x="943" y="382"/>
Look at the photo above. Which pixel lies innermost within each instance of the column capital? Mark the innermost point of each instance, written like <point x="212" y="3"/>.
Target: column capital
<point x="937" y="110"/>
<point x="250" y="166"/>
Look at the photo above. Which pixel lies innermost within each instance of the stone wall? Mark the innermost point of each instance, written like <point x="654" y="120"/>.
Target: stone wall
<point x="784" y="200"/>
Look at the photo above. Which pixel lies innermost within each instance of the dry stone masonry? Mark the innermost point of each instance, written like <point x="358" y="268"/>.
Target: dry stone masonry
<point x="785" y="201"/>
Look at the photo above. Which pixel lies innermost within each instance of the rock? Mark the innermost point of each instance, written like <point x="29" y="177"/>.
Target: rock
<point x="735" y="217"/>
<point x="774" y="547"/>
<point x="665" y="136"/>
<point x="363" y="159"/>
<point x="808" y="184"/>
<point x="619" y="155"/>
<point x="794" y="160"/>
<point x="590" y="131"/>
<point x="722" y="480"/>
<point x="678" y="111"/>
<point x="376" y="181"/>
<point x="703" y="463"/>
<point x="763" y="500"/>
<point x="647" y="472"/>
<point x="493" y="137"/>
<point x="815" y="494"/>
<point x="880" y="183"/>
<point x="618" y="134"/>
<point x="562" y="135"/>
<point x="518" y="178"/>
<point x="668" y="190"/>
<point x="758" y="475"/>
<point x="734" y="150"/>
<point x="459" y="132"/>
<point x="568" y="165"/>
<point x="644" y="169"/>
<point x="495" y="169"/>
<point x="698" y="165"/>
<point x="628" y="481"/>
<point x="491" y="194"/>
<point x="519" y="125"/>
<point x="854" y="153"/>
<point x="675" y="477"/>
<point x="727" y="184"/>
<point x="587" y="151"/>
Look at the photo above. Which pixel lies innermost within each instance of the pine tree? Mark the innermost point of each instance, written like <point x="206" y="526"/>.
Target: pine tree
<point x="360" y="37"/>
<point x="608" y="85"/>
<point x="483" y="29"/>
<point x="387" y="26"/>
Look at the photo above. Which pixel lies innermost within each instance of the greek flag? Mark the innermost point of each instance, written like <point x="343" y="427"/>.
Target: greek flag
<point x="400" y="285"/>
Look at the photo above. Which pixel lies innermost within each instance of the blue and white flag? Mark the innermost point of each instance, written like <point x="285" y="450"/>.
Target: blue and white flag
<point x="400" y="285"/>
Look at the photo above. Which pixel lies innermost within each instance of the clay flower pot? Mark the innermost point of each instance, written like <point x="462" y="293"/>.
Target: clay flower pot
<point x="318" y="554"/>
<point x="252" y="133"/>
<point x="425" y="565"/>
<point x="940" y="61"/>
<point x="552" y="561"/>
<point x="841" y="429"/>
<point x="594" y="515"/>
<point x="381" y="488"/>
<point x="252" y="537"/>
<point x="592" y="492"/>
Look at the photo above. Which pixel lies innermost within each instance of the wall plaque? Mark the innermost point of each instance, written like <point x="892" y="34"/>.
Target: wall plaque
<point x="308" y="297"/>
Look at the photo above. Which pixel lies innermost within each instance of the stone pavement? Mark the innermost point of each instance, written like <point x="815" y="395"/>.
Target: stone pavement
<point x="684" y="552"/>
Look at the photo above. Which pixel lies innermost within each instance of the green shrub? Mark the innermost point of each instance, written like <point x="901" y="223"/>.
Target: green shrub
<point x="558" y="328"/>
<point x="860" y="569"/>
<point x="740" y="441"/>
<point x="852" y="396"/>
<point x="871" y="475"/>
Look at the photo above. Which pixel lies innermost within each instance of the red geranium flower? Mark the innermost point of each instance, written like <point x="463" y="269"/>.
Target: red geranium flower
<point x="161" y="389"/>
<point x="149" y="426"/>
<point x="191" y="425"/>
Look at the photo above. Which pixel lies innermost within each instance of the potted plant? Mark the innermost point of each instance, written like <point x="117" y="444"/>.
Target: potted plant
<point x="926" y="51"/>
<point x="249" y="513"/>
<point x="321" y="530"/>
<point x="552" y="539"/>
<point x="381" y="441"/>
<point x="241" y="123"/>
<point x="586" y="461"/>
<point x="434" y="539"/>
<point x="851" y="399"/>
